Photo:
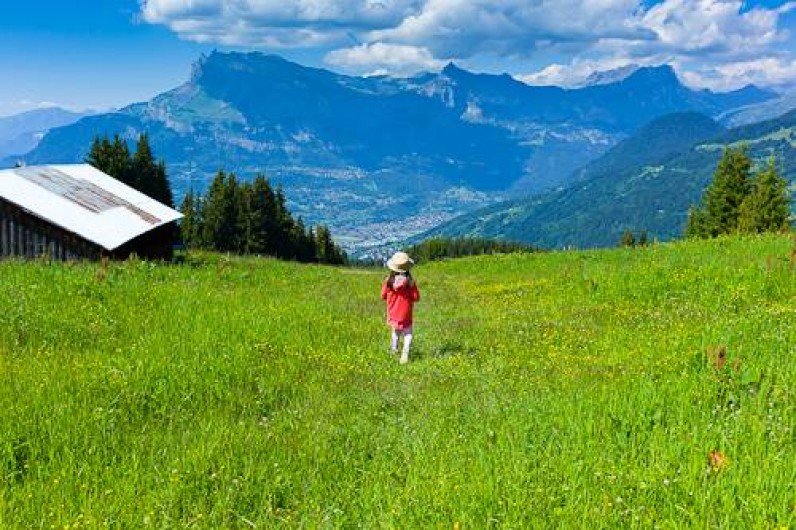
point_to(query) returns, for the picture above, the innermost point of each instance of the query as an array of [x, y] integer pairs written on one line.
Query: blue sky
[[109, 53]]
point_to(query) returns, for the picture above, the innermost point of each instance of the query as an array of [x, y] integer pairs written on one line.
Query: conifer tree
[[731, 184], [220, 214], [642, 239], [111, 158], [99, 153], [721, 203], [264, 202], [443, 247], [148, 176], [190, 221], [251, 221], [767, 207], [251, 218], [139, 171], [301, 242], [161, 187], [696, 226], [283, 226], [628, 239], [325, 248]]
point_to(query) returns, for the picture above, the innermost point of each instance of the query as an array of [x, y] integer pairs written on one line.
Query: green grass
[[551, 390]]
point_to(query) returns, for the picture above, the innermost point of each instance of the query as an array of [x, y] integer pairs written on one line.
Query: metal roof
[[85, 201]]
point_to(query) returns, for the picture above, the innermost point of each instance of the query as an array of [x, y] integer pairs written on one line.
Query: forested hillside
[[640, 185]]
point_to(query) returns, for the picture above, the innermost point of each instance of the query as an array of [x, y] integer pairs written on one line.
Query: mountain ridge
[[652, 194], [19, 133], [365, 154]]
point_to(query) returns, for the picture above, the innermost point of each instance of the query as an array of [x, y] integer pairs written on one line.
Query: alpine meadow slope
[[625, 387], [377, 158], [646, 183]]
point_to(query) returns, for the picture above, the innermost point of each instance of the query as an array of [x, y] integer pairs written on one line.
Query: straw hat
[[400, 262]]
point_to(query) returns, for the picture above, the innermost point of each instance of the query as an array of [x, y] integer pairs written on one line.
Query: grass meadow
[[557, 390]]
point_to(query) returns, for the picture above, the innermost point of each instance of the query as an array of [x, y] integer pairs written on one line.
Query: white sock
[[407, 342], [394, 341]]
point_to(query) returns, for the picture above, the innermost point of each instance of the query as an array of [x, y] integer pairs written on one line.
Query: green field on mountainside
[[546, 390]]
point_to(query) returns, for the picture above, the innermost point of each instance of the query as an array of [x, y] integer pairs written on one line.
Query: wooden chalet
[[72, 212]]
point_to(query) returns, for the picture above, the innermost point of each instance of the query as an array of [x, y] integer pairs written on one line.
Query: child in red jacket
[[400, 291]]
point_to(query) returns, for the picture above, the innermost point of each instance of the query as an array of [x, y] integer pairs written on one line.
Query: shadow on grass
[[446, 350]]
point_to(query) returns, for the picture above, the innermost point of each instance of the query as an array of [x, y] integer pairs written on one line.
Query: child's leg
[[407, 344], [394, 341]]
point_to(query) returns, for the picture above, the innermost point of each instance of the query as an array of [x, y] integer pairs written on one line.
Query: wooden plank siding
[[24, 235]]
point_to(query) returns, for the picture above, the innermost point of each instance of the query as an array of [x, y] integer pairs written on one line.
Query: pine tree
[[220, 219], [731, 184], [147, 176], [250, 213], [266, 225], [161, 187], [252, 218], [721, 203], [190, 222], [326, 250], [139, 171], [323, 243], [111, 158], [628, 239], [283, 228], [143, 167], [98, 153], [442, 247], [767, 207], [301, 242], [697, 226]]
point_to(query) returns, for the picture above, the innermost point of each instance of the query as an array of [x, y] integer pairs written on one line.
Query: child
[[400, 291]]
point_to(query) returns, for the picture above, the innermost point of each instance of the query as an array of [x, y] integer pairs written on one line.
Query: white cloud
[[574, 74], [275, 23], [711, 43], [515, 27], [380, 58], [710, 27], [769, 71], [700, 36]]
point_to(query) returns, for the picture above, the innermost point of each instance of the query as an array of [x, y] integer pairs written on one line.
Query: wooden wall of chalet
[[24, 235], [157, 244]]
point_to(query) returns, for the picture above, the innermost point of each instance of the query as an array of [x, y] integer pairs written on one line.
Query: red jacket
[[400, 299]]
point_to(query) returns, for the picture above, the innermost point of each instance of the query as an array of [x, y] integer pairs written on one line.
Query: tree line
[[629, 239], [233, 216], [253, 218], [444, 247], [738, 201], [139, 170]]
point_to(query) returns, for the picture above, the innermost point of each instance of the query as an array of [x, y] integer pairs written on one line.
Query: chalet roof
[[85, 201]]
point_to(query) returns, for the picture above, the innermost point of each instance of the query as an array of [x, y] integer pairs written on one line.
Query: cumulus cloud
[[275, 23], [711, 43], [381, 58], [464, 28], [769, 71], [711, 27], [575, 74], [363, 36]]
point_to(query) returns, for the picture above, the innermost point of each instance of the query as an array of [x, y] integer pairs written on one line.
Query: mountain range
[[380, 158], [22, 132], [645, 183]]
